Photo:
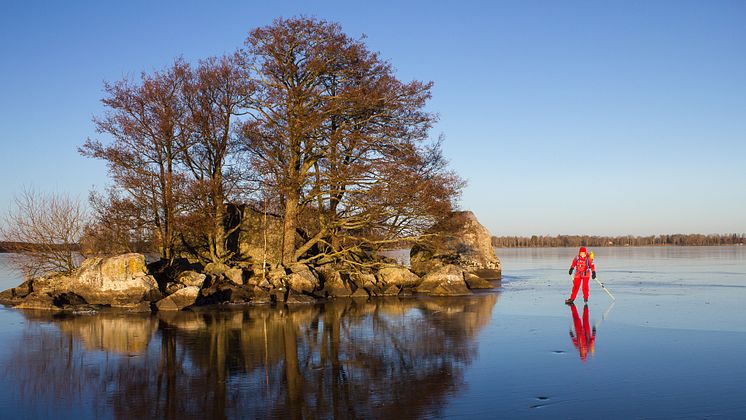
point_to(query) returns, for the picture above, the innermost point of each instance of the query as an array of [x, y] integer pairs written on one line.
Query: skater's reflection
[[584, 337]]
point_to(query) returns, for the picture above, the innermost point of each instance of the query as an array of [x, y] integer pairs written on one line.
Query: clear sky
[[565, 117]]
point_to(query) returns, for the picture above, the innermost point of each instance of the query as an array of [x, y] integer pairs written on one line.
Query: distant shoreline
[[12, 247], [676, 239], [620, 246]]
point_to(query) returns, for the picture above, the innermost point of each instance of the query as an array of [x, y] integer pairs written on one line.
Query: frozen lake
[[672, 345]]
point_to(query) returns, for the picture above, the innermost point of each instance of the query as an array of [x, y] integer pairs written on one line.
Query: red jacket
[[583, 265]]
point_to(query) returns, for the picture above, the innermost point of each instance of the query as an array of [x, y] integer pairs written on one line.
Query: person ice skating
[[584, 338], [584, 269]]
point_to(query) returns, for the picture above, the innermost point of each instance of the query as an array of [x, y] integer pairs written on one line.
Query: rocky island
[[455, 258]]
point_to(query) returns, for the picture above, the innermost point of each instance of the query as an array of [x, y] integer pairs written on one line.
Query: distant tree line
[[629, 240]]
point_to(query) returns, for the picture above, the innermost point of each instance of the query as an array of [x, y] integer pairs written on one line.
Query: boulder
[[298, 298], [334, 283], [458, 240], [191, 278], [392, 290], [37, 300], [365, 280], [15, 295], [475, 282], [215, 269], [179, 300], [172, 287], [119, 281], [235, 275], [447, 280], [360, 293], [278, 294], [398, 276], [223, 291], [260, 236], [276, 277], [302, 279], [261, 296]]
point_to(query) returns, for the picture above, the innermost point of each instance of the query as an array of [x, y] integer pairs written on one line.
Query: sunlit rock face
[[256, 242], [447, 280], [459, 240], [182, 298], [301, 279], [398, 276], [120, 281]]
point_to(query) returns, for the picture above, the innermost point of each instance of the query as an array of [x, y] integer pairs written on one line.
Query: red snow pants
[[584, 278]]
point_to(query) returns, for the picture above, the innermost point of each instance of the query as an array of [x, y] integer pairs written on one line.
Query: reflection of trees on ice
[[346, 358]]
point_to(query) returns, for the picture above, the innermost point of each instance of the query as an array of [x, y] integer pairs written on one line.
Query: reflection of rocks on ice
[[354, 353], [126, 334]]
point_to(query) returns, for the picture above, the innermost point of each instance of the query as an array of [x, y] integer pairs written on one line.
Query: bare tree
[[119, 225], [147, 122], [339, 138], [215, 95], [45, 229]]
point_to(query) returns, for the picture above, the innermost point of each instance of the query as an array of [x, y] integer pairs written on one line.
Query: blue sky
[[565, 117]]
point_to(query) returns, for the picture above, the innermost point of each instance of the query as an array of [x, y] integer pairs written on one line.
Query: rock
[[15, 295], [241, 295], [260, 236], [276, 277], [119, 281], [144, 306], [191, 278], [444, 281], [475, 282], [459, 240], [368, 281], [360, 293], [278, 294], [38, 300], [298, 298], [24, 289], [68, 299], [223, 291], [334, 283], [181, 299], [235, 275], [302, 279], [449, 289], [215, 269], [172, 287], [398, 276], [261, 296], [392, 290]]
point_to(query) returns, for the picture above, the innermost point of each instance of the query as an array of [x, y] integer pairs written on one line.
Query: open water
[[672, 345]]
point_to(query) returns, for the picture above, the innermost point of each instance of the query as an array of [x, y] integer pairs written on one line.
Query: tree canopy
[[303, 121]]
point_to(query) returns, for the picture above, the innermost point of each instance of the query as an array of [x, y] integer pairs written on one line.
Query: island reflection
[[347, 358]]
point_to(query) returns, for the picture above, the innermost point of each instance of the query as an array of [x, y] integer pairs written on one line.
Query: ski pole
[[605, 289]]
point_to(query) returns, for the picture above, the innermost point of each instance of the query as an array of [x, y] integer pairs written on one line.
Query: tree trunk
[[289, 225], [218, 246]]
